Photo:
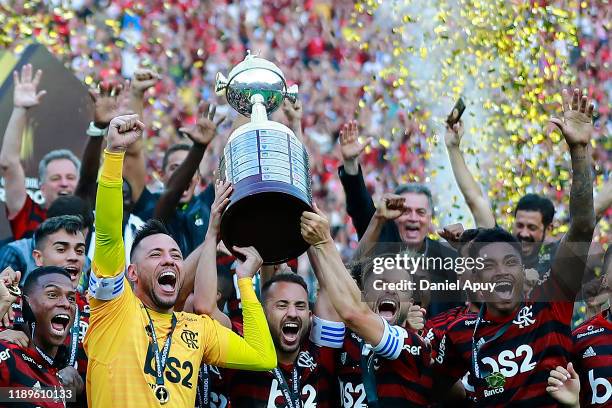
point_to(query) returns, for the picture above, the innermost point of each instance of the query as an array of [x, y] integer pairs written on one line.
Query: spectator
[[57, 171]]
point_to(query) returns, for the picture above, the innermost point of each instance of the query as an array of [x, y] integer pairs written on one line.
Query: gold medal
[[162, 394], [14, 290]]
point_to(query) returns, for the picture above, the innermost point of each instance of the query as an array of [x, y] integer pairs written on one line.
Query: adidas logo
[[589, 353]]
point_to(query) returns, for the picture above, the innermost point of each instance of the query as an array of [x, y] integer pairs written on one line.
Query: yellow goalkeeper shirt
[[121, 370]]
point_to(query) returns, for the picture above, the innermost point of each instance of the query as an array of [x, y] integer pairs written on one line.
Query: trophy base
[[267, 218]]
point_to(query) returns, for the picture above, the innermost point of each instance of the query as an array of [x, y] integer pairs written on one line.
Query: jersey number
[[506, 365], [175, 371], [307, 390], [347, 390]]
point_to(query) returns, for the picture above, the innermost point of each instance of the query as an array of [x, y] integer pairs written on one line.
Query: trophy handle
[[220, 84], [291, 93]]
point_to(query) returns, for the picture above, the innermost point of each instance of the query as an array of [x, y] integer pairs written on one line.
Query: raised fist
[[122, 132]]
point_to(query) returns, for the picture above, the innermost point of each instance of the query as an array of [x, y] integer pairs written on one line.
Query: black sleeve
[[360, 207]]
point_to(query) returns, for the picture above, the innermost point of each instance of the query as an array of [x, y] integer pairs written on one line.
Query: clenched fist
[[122, 132]]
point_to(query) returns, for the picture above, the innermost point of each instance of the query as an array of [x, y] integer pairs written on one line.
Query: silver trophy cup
[[266, 163]]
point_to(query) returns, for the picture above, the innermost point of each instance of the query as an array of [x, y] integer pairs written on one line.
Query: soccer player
[[504, 348], [141, 352], [60, 242], [397, 376], [592, 350], [49, 308]]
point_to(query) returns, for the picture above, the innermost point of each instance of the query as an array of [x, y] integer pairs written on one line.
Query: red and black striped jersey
[[401, 381], [436, 326], [536, 339], [317, 377], [592, 356], [24, 367]]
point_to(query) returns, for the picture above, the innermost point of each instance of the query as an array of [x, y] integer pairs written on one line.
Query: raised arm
[[134, 166], [474, 198], [390, 207], [570, 260], [333, 277], [25, 96], [256, 350], [109, 258], [205, 287], [109, 102], [201, 134]]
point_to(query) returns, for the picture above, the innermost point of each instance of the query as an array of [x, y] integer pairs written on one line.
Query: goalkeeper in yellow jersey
[[142, 353]]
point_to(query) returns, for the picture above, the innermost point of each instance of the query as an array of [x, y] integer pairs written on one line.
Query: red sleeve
[[25, 222], [7, 364], [448, 360]]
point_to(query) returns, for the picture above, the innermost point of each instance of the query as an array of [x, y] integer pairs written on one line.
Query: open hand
[[350, 146], [110, 101], [564, 385], [576, 124], [205, 129], [25, 94]]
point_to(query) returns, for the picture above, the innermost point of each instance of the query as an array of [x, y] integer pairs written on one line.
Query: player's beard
[[162, 303]]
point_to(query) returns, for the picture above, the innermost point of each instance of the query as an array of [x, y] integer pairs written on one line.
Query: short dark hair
[[283, 277], [151, 227], [490, 236], [172, 149], [32, 278], [31, 282], [70, 223], [72, 205], [416, 188], [534, 202]]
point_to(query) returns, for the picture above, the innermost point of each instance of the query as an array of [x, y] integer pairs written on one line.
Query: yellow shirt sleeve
[[109, 258], [256, 350]]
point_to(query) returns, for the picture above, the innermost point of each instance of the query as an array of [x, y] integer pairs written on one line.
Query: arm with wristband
[[344, 293]]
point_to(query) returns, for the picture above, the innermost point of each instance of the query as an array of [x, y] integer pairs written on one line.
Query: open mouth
[[290, 331], [387, 309], [504, 289], [59, 324], [64, 193], [72, 270], [167, 281]]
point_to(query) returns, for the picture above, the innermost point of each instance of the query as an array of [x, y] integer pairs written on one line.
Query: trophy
[[267, 165]]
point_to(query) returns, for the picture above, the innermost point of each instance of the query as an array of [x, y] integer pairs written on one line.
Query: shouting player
[[49, 307], [398, 377], [141, 352], [514, 343]]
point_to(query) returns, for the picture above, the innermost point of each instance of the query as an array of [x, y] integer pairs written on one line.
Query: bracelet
[[94, 131]]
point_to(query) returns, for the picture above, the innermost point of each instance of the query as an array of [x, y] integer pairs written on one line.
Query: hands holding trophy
[[267, 165]]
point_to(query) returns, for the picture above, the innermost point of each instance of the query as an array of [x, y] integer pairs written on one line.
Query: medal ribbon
[[160, 361], [292, 397], [477, 347], [74, 338], [367, 376], [204, 390]]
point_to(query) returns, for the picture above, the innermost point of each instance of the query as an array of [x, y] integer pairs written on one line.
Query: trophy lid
[[254, 75]]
